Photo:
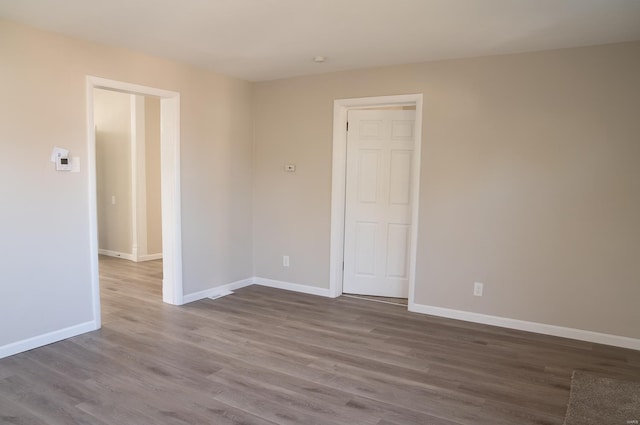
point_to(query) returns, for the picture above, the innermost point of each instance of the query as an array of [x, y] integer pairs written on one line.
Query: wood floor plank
[[264, 356], [12, 413], [42, 401]]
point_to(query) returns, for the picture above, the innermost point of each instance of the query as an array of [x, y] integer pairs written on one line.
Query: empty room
[[320, 212]]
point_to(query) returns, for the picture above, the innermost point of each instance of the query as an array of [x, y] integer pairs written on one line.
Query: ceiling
[[261, 40]]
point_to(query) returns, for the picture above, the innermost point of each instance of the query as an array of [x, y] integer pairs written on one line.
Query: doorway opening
[[169, 152], [127, 128], [374, 217]]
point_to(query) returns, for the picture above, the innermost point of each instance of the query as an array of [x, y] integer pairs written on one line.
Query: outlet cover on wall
[[285, 261], [477, 289]]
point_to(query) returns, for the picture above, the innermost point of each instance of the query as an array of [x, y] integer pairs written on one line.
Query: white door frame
[[138, 179], [172, 292], [338, 183]]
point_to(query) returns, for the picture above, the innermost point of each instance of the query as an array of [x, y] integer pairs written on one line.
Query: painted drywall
[[44, 219], [112, 115], [530, 182], [152, 172]]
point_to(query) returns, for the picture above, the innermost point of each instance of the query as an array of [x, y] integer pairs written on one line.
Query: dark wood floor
[[266, 356]]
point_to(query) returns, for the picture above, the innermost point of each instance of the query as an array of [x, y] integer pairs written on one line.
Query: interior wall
[[529, 182], [43, 87], [112, 115], [152, 172]]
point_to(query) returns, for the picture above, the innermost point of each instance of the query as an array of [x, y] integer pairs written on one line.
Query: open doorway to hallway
[[128, 191], [169, 153], [128, 185]]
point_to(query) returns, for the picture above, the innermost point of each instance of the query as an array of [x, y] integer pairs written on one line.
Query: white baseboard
[[116, 254], [217, 291], [296, 287], [130, 257], [150, 257], [46, 339], [541, 328], [224, 289]]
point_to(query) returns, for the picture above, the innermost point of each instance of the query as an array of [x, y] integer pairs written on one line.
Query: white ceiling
[[268, 39]]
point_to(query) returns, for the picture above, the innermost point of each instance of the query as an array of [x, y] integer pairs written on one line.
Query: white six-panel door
[[380, 146]]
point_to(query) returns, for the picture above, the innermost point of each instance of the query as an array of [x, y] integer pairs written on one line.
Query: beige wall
[[152, 172], [43, 92], [112, 115], [530, 182]]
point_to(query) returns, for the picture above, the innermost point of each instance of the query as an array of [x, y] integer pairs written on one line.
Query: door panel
[[397, 250], [400, 177], [403, 129], [368, 170], [371, 129], [380, 145], [365, 248]]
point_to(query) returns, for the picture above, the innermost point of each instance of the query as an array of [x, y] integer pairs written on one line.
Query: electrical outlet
[[477, 289], [285, 261]]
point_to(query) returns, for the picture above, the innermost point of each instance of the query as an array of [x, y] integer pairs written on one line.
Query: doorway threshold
[[385, 300]]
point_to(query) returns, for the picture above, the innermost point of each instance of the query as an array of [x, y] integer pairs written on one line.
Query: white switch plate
[[285, 261], [113, 199], [57, 153], [477, 289]]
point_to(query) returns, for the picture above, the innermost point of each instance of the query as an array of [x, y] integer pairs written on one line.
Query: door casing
[[338, 183], [172, 292]]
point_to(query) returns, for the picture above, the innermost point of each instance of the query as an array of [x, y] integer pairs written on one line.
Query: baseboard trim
[[130, 257], [46, 339], [217, 291], [150, 257], [296, 287], [116, 254], [522, 325]]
